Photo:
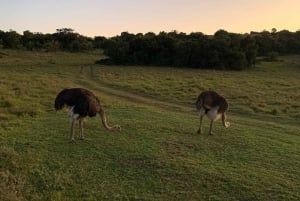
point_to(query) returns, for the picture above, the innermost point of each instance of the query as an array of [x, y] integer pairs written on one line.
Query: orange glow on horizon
[[97, 18]]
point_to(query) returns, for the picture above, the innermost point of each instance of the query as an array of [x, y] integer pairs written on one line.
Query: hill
[[158, 155]]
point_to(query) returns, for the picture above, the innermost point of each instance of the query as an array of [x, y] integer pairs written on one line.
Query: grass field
[[157, 155]]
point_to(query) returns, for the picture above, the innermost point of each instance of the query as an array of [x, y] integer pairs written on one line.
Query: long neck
[[226, 124], [104, 122], [223, 105]]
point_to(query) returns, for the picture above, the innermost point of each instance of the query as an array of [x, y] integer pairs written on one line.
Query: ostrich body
[[82, 103], [214, 106]]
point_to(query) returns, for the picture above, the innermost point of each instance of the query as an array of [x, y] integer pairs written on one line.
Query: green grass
[[157, 155]]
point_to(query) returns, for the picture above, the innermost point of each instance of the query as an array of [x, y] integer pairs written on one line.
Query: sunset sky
[[111, 17]]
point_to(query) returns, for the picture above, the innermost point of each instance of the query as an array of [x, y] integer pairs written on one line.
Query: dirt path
[[139, 99]]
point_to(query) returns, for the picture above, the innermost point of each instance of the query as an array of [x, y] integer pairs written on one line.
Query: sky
[[111, 17]]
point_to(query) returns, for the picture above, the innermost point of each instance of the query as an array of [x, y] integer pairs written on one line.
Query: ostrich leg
[[210, 127], [202, 112], [200, 126], [72, 130], [81, 129]]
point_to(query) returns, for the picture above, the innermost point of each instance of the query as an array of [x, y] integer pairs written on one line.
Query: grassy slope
[[158, 155]]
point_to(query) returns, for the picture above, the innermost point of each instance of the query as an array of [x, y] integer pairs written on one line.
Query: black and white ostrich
[[214, 106], [82, 103]]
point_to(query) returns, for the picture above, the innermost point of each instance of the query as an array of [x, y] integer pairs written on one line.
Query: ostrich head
[[227, 124], [116, 128]]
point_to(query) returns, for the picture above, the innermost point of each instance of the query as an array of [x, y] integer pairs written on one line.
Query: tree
[[65, 37], [99, 41], [11, 39], [2, 33], [248, 46]]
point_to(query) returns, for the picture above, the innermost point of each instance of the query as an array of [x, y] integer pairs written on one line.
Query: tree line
[[64, 39], [223, 50]]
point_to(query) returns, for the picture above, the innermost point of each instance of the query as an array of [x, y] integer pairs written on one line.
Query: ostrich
[[82, 103], [214, 106]]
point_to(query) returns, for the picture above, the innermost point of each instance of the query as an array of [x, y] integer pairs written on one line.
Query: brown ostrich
[[82, 103], [214, 106]]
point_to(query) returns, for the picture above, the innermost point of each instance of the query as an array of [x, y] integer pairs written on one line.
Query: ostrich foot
[[199, 131]]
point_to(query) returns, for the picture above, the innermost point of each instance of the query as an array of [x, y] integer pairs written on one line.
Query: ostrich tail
[[58, 105], [105, 124], [59, 100], [226, 124]]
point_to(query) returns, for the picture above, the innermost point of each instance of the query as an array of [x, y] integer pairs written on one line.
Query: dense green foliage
[[64, 39], [223, 50], [158, 155]]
